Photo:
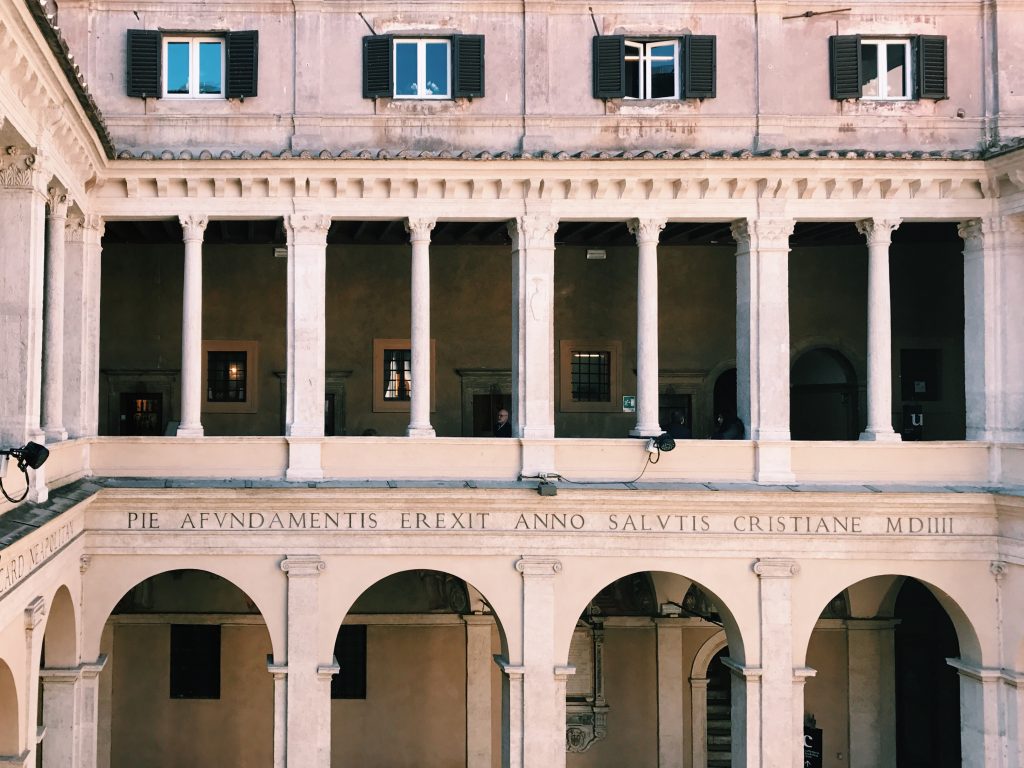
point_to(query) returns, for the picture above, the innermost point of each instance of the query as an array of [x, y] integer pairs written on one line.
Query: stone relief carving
[[586, 710], [18, 169]]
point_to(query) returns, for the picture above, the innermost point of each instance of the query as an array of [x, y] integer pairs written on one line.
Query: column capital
[[564, 672], [419, 228], [646, 230], [58, 201], [325, 672], [302, 565], [84, 229], [878, 231], [776, 568], [279, 671], [60, 674], [193, 225], [21, 170], [307, 228], [91, 669], [533, 230], [978, 232], [538, 566], [752, 233]]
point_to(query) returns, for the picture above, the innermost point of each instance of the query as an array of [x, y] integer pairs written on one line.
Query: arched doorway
[[187, 658], [56, 687], [8, 712], [418, 686], [823, 402]]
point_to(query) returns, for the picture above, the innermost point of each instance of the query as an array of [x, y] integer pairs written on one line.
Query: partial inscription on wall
[[21, 558]]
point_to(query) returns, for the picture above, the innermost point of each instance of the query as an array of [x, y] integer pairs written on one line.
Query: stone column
[[33, 614], [980, 731], [60, 716], [670, 692], [512, 717], [53, 318], [478, 690], [280, 673], [872, 693], [82, 325], [762, 341], [419, 398], [88, 712], [22, 216], [781, 718], [533, 338], [543, 719], [307, 700], [647, 232], [746, 715], [192, 226], [879, 235], [305, 380]]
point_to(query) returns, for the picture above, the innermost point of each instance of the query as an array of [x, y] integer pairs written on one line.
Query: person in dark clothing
[[503, 427], [728, 427], [678, 429]]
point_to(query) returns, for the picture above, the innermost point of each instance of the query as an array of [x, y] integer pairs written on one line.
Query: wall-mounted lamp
[[31, 455], [663, 443]]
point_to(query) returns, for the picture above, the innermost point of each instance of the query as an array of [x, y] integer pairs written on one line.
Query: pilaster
[[60, 716], [543, 719], [871, 663], [980, 732], [22, 222], [308, 701], [781, 717], [746, 714], [82, 236], [878, 233], [57, 202], [193, 226], [280, 673], [647, 232], [419, 230], [33, 614], [88, 711], [670, 693], [478, 690], [533, 338]]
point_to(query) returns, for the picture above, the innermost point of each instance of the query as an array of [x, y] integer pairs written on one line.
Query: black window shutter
[[609, 66], [242, 63], [143, 63], [700, 67], [468, 66], [377, 66], [931, 67], [844, 66]]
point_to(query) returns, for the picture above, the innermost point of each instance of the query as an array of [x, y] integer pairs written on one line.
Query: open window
[[424, 67]]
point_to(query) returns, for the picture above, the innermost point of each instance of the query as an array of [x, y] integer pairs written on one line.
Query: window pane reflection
[[177, 67], [869, 69], [663, 77], [437, 69], [896, 62], [405, 69], [209, 67]]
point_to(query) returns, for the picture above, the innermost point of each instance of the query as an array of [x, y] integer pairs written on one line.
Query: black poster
[[812, 747]]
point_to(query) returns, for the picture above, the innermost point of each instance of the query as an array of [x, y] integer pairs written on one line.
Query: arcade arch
[[9, 713], [187, 654]]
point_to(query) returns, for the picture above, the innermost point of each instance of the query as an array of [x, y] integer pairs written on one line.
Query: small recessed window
[[397, 375], [591, 376], [422, 69], [392, 375], [885, 69], [589, 379], [195, 661], [226, 377], [193, 67], [652, 70], [350, 651]]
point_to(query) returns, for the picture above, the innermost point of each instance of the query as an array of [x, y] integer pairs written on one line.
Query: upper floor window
[[423, 68], [589, 378], [667, 68], [211, 66], [887, 69], [193, 67], [652, 69]]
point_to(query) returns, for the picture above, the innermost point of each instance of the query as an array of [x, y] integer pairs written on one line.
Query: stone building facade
[[272, 269]]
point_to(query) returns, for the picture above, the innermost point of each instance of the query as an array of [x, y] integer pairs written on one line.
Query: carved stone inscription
[[558, 522]]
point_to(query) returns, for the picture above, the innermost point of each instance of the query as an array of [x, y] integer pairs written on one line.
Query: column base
[[538, 458], [55, 435], [305, 430], [880, 436], [190, 430], [773, 464], [420, 431], [304, 459], [646, 430], [541, 433]]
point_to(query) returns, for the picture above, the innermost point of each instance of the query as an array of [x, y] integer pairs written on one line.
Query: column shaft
[[53, 319], [60, 717], [478, 690], [879, 235], [308, 705], [82, 325], [670, 693], [647, 232], [22, 216], [88, 713], [191, 425], [280, 673], [419, 405]]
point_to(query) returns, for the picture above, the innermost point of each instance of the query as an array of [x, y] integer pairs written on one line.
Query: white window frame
[[881, 62], [421, 67], [193, 66], [644, 57]]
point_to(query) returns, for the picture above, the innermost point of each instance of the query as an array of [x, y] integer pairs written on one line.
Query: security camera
[[30, 455]]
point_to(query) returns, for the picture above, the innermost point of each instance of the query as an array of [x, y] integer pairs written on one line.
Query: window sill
[[651, 106], [422, 106]]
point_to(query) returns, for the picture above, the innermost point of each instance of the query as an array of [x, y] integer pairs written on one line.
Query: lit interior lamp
[[31, 455]]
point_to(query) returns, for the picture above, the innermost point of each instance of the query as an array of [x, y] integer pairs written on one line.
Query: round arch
[[10, 712], [824, 395], [60, 637], [110, 579], [565, 623], [706, 654], [499, 590]]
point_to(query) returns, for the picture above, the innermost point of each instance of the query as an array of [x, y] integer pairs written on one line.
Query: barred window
[[226, 377], [397, 374], [591, 377]]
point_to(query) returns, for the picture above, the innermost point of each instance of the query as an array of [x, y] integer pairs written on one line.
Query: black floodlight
[[663, 443], [30, 455]]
